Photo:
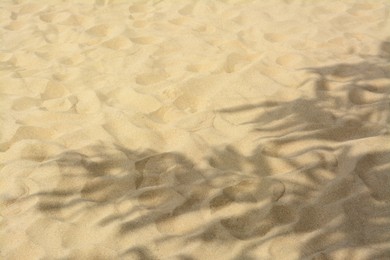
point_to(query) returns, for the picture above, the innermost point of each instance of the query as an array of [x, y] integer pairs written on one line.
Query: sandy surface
[[195, 130]]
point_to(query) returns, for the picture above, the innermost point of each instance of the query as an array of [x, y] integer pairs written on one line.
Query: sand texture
[[194, 130]]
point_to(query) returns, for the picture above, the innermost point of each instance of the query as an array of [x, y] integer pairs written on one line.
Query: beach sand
[[195, 129]]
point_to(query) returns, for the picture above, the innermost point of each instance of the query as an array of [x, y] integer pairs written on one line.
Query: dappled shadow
[[139, 253], [167, 192], [326, 194], [344, 202]]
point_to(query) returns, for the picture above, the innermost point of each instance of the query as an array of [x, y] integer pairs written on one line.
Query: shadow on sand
[[336, 200]]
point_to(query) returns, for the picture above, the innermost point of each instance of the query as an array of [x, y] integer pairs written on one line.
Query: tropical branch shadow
[[165, 191], [331, 197], [348, 210]]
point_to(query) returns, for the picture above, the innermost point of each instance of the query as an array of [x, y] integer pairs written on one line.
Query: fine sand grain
[[195, 129]]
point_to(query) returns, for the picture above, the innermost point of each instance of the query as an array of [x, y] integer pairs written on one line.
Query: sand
[[195, 129]]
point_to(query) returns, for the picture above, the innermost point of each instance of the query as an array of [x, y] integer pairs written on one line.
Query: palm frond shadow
[[318, 195], [343, 208], [163, 190]]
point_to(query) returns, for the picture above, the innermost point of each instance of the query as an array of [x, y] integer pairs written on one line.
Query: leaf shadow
[[317, 196]]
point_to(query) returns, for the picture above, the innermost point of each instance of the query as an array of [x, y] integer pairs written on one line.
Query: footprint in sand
[[30, 8], [140, 23], [166, 168], [180, 20], [248, 225], [139, 8], [187, 216], [362, 95], [249, 191], [105, 189], [374, 170], [160, 198], [289, 60], [32, 132], [180, 206], [275, 37], [236, 61], [187, 10], [15, 25], [74, 20], [187, 102], [258, 222], [150, 78], [100, 30], [25, 103], [118, 43], [144, 40], [54, 89]]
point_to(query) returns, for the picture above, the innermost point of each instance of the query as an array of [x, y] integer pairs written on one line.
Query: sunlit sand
[[195, 129]]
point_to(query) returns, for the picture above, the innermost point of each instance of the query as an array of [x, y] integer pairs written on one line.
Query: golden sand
[[195, 129]]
